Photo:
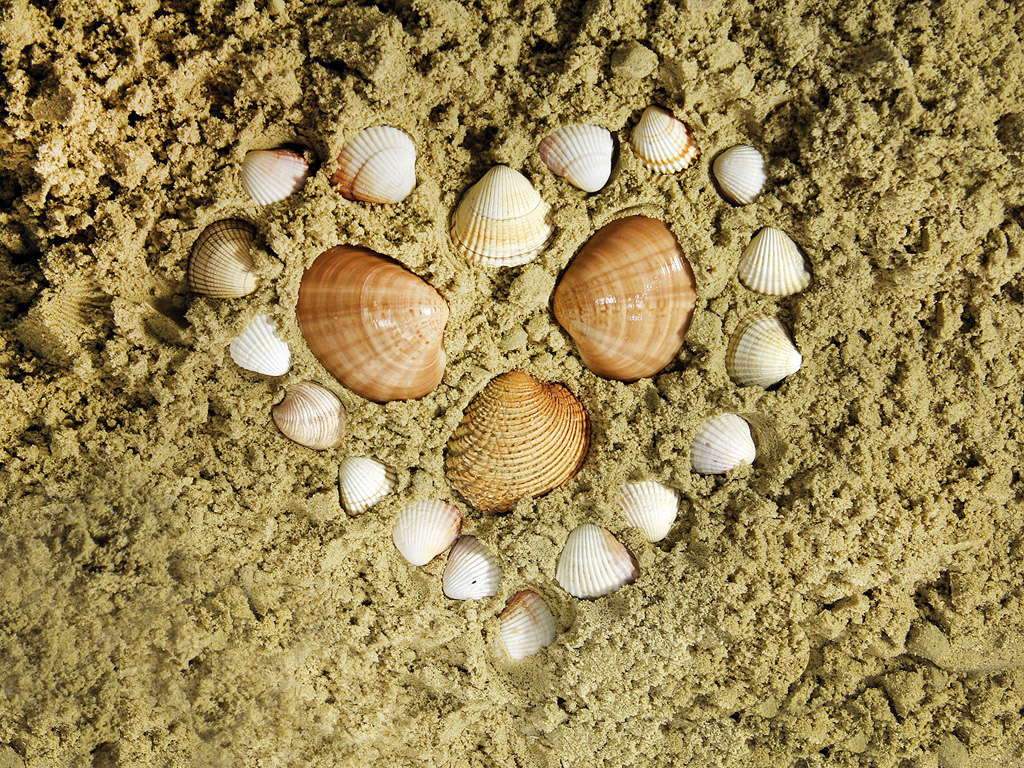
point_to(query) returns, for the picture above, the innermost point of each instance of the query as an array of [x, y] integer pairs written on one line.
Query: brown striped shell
[[220, 265]]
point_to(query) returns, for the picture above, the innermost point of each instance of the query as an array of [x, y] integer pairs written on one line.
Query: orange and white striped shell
[[663, 142]]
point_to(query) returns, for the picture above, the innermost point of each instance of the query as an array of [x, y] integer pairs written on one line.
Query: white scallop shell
[[220, 265], [663, 142], [650, 506], [593, 562], [721, 444], [772, 264], [526, 625], [271, 175], [364, 482], [740, 173], [378, 165], [502, 221], [425, 529], [471, 572], [311, 415], [761, 352], [582, 154], [259, 349]]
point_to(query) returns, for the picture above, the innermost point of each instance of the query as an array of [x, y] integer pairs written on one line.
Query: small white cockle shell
[[740, 173], [650, 506], [526, 625], [311, 415], [364, 482], [425, 529], [220, 265], [761, 352], [593, 563], [259, 349], [721, 444], [471, 572], [663, 142], [271, 175], [581, 154], [378, 165], [772, 264]]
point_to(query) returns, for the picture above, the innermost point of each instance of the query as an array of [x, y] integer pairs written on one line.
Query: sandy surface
[[178, 583]]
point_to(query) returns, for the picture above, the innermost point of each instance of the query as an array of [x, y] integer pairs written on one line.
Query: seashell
[[471, 572], [761, 352], [271, 175], [519, 437], [582, 154], [663, 142], [502, 221], [425, 529], [311, 415], [650, 506], [378, 165], [220, 265], [772, 264], [627, 298], [259, 349], [526, 625], [721, 444], [593, 563], [364, 482], [740, 173], [373, 324]]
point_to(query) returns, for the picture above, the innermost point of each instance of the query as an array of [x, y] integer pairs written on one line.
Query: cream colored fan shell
[[271, 175], [472, 572], [425, 529], [740, 173], [378, 165], [311, 415], [581, 154], [772, 264], [594, 563], [663, 142], [502, 221], [220, 265], [526, 625], [650, 506], [721, 445], [363, 482], [761, 352], [259, 349]]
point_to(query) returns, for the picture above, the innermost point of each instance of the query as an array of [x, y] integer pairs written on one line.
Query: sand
[[179, 584]]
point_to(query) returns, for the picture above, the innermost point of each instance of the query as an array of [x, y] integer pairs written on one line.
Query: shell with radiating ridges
[[378, 165], [502, 221], [721, 444], [271, 175], [519, 437], [626, 298], [526, 625], [220, 265], [581, 154], [594, 563], [311, 415], [663, 142], [761, 352], [259, 349], [373, 324], [772, 264], [741, 173], [363, 482], [650, 506], [425, 529], [472, 572]]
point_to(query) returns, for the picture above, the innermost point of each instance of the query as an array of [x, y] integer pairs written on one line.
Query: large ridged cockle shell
[[271, 175], [311, 415], [363, 482], [772, 264], [502, 221], [721, 444], [425, 529], [472, 572], [627, 298], [519, 437], [378, 165], [581, 154], [663, 142], [526, 625], [761, 352], [373, 324], [740, 173], [650, 506], [593, 563], [220, 265], [259, 349]]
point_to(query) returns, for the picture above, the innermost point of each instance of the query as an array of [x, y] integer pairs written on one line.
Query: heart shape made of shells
[[625, 299]]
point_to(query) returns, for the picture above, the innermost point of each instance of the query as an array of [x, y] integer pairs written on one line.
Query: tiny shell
[[378, 165], [526, 625], [311, 415], [664, 143], [772, 264], [220, 265], [259, 349], [650, 506], [740, 173], [761, 352], [593, 563], [721, 444], [582, 154], [271, 175], [364, 482], [471, 572], [425, 529]]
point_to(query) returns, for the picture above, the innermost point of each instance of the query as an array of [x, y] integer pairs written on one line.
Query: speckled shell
[[772, 264], [378, 165], [259, 349], [581, 154], [740, 173], [502, 221], [650, 506], [220, 265], [627, 299], [311, 415], [663, 142], [271, 175], [761, 352], [519, 437], [472, 572], [721, 444], [363, 482], [373, 324], [425, 529], [594, 563], [526, 625]]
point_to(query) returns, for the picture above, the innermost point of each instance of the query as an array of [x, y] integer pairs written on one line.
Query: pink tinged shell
[[472, 572], [271, 175], [526, 625], [311, 415], [594, 563], [425, 529]]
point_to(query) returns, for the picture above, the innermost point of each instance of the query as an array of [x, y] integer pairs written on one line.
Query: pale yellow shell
[[311, 415], [593, 563], [526, 625], [722, 444], [772, 264], [220, 265], [663, 142], [761, 352]]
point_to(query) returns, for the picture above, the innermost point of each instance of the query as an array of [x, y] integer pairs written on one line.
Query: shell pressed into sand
[[271, 175], [526, 625], [594, 563], [220, 265], [626, 298], [663, 142], [502, 221], [721, 444], [378, 165], [373, 324], [761, 352], [772, 264], [363, 482], [259, 349], [740, 173], [519, 437], [650, 506], [581, 154], [425, 529], [472, 572], [311, 415]]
